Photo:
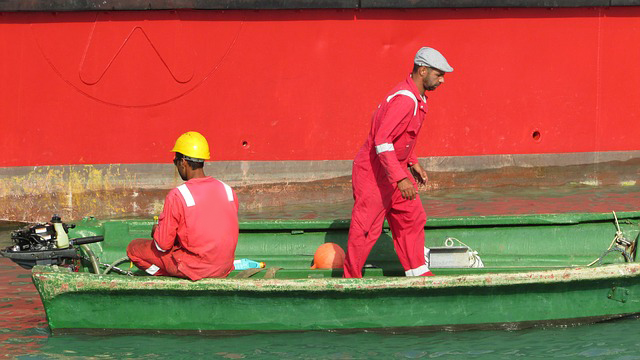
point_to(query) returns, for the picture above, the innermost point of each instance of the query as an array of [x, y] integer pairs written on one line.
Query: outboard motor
[[45, 244]]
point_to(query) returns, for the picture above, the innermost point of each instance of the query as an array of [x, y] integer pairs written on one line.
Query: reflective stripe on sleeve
[[227, 188], [417, 271], [152, 270], [158, 246], [384, 147], [186, 194]]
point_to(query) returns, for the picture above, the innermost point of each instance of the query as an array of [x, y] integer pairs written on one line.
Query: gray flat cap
[[432, 58]]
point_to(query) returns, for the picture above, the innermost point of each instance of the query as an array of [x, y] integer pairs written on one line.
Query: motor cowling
[[38, 237], [36, 244]]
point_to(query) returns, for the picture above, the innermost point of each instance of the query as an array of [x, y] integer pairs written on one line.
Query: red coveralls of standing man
[[197, 232], [383, 185]]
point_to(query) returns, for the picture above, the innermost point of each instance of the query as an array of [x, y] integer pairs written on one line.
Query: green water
[[613, 340], [24, 333], [616, 340]]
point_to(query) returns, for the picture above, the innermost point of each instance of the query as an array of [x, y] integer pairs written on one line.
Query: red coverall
[[382, 161], [197, 233]]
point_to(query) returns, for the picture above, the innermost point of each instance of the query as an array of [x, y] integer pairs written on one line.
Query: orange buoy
[[328, 256]]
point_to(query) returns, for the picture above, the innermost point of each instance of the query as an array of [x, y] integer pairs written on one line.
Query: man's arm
[[413, 159], [164, 234], [419, 173], [394, 123], [406, 188]]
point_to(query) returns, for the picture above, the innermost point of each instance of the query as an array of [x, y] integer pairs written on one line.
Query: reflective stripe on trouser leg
[[417, 271], [152, 270], [144, 254], [407, 220]]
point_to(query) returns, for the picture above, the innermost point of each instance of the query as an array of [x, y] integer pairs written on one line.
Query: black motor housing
[[36, 245], [29, 259]]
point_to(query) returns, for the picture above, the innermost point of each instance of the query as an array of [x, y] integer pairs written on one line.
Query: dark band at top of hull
[[99, 5]]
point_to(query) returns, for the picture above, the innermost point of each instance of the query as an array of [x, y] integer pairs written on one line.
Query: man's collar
[[414, 89]]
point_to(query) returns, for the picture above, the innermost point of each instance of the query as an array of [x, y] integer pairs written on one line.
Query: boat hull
[[536, 272], [86, 302]]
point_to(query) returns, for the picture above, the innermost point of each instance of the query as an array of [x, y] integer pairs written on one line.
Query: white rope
[[619, 237]]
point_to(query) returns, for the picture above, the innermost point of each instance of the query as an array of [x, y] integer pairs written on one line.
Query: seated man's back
[[197, 232]]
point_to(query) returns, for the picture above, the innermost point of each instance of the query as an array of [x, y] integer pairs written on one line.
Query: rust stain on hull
[[119, 190], [71, 191]]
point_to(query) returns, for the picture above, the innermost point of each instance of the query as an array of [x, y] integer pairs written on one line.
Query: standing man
[[197, 232], [385, 168]]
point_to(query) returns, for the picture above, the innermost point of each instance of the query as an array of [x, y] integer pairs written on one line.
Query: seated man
[[197, 232]]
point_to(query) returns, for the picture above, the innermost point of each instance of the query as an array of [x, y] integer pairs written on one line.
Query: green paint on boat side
[[535, 273], [92, 301], [502, 220], [532, 240], [60, 282]]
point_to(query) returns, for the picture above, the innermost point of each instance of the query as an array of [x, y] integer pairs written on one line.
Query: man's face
[[432, 78]]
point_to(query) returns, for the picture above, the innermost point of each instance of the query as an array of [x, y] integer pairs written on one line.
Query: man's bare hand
[[406, 189], [419, 174]]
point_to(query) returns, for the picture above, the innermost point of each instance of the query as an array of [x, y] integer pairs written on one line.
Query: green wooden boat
[[538, 269]]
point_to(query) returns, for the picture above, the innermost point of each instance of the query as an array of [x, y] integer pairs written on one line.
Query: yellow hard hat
[[192, 145]]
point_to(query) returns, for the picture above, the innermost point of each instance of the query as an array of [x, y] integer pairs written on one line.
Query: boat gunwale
[[432, 222], [53, 282]]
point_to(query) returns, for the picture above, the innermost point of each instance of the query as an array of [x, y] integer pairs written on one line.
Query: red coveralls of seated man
[[384, 170], [197, 232]]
